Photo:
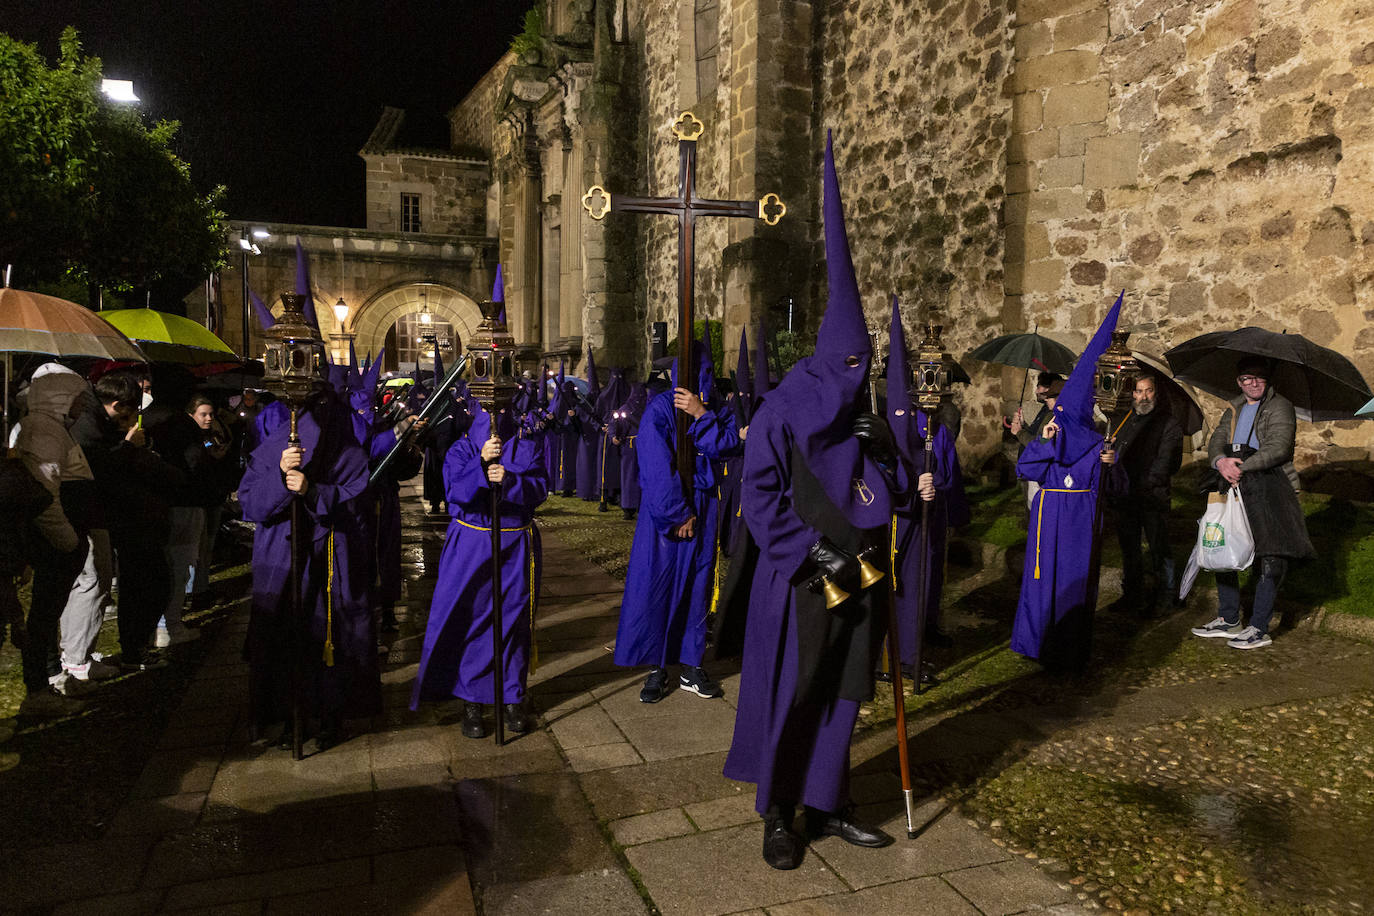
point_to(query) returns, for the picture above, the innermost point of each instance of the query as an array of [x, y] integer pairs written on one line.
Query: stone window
[[410, 212], [706, 24], [416, 341]]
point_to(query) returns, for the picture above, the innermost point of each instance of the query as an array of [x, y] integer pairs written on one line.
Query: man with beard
[[1147, 450]]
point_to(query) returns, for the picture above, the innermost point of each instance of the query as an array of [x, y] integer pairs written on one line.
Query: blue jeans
[[1272, 571]]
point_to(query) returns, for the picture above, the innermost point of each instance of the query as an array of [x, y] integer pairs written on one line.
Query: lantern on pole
[[1115, 378], [492, 381], [933, 374], [294, 367]]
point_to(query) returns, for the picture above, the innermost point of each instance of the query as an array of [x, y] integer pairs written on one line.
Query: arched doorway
[[395, 317]]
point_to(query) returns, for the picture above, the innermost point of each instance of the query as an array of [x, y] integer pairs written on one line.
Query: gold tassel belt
[[1040, 517]]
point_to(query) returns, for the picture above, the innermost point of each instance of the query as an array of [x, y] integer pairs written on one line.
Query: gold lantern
[[294, 358], [491, 361], [1114, 381], [933, 374]]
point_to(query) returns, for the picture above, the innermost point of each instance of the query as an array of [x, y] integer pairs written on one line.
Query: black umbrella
[[1321, 383], [1026, 350]]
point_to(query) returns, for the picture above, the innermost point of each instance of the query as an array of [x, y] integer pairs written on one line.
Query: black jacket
[[1149, 452]]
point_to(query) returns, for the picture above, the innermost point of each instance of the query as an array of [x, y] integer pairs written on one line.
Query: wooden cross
[[687, 207]]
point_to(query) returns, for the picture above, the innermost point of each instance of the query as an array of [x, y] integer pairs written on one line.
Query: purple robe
[[1053, 621], [668, 585], [588, 453], [334, 599], [456, 660], [791, 743]]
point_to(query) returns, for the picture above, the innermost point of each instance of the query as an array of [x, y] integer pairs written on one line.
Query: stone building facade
[[1005, 165]]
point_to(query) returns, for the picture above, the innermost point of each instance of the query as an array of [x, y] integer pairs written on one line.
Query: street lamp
[[425, 317], [342, 336], [246, 247]]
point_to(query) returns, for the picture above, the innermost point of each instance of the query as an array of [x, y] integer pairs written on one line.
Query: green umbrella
[[170, 338], [1026, 350]]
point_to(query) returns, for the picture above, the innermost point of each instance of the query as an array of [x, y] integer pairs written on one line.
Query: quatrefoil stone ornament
[[771, 208]]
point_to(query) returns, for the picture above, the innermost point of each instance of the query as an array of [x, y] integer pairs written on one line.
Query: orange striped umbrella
[[34, 323]]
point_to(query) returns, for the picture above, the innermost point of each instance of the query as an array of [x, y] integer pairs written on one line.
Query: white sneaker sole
[[1257, 644], [692, 688], [1216, 634]]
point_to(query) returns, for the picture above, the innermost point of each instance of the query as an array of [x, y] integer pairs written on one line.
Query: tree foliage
[[89, 189]]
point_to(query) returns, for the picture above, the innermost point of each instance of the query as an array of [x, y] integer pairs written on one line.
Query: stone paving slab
[[608, 892], [723, 871], [1008, 887], [915, 897]]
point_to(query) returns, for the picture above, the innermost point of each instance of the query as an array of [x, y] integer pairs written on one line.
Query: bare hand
[[136, 436], [688, 403], [743, 433], [496, 473], [1018, 423], [925, 485], [1049, 430], [684, 531], [491, 449], [296, 482], [292, 458], [615, 440], [1108, 456], [1229, 468]]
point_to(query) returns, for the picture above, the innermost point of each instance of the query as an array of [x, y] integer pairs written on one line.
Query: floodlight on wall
[[261, 234], [118, 90]]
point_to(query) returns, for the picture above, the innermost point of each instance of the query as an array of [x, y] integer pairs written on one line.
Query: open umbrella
[[1026, 350], [1321, 383], [1367, 410], [1182, 403], [46, 325], [170, 338]]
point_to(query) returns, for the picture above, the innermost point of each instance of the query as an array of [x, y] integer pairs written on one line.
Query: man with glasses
[[1252, 448]]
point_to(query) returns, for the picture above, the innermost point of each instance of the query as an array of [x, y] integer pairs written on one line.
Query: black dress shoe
[[517, 723], [782, 849], [473, 726], [851, 831]]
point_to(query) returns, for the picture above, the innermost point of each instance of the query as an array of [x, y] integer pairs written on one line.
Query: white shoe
[[65, 685], [48, 704], [1250, 638], [1218, 628]]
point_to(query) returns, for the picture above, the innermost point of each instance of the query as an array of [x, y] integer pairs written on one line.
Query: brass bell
[[834, 595], [868, 573]]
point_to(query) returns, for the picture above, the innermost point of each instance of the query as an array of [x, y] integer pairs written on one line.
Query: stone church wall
[[1214, 159], [473, 120], [453, 193], [913, 92]]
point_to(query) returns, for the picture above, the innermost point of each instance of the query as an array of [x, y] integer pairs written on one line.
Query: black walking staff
[[1113, 387], [492, 381], [294, 368]]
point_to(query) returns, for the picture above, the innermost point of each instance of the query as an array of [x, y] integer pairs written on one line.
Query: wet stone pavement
[[613, 806]]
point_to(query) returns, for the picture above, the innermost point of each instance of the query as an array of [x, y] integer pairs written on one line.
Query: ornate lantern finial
[[294, 357], [491, 361], [933, 375], [1114, 381]]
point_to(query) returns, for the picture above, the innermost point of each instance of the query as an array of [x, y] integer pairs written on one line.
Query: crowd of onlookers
[[111, 497]]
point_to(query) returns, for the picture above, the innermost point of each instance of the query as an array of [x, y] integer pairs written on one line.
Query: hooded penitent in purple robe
[[589, 422], [1054, 616], [608, 452], [457, 657], [668, 585], [806, 669], [625, 427], [567, 424], [334, 598]]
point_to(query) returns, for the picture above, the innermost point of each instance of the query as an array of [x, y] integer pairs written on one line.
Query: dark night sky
[[276, 99]]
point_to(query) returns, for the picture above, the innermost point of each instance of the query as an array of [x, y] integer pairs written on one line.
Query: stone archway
[[379, 314]]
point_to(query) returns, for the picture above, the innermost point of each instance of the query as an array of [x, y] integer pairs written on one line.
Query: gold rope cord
[[329, 606], [1040, 517]]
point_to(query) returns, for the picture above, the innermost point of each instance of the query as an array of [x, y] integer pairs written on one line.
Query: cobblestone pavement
[[612, 807]]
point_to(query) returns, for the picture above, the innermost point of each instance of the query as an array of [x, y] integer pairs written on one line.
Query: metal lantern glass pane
[[932, 369], [491, 351], [293, 356], [1117, 371]]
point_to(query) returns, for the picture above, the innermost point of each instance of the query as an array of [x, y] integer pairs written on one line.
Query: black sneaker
[[697, 681], [473, 726], [655, 686], [517, 722]]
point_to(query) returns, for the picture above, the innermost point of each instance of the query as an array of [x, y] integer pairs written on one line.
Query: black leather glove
[[830, 562], [876, 437]]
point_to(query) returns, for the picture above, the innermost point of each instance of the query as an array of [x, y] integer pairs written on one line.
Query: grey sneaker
[[1218, 628], [1250, 638]]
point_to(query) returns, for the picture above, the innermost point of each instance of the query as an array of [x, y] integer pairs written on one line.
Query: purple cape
[[456, 660], [668, 585]]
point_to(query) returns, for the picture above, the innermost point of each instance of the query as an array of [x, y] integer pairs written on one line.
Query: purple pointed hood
[[544, 387], [364, 395], [593, 383], [819, 397], [763, 379], [613, 395], [744, 382], [438, 368], [1076, 400], [900, 414], [706, 371], [303, 285], [498, 293], [260, 309]]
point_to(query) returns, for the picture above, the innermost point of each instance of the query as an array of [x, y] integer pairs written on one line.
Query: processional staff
[[687, 207]]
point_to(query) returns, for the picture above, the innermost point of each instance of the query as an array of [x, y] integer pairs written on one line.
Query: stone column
[[575, 223]]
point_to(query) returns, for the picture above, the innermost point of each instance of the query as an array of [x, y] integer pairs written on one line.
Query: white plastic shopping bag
[[1224, 541]]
